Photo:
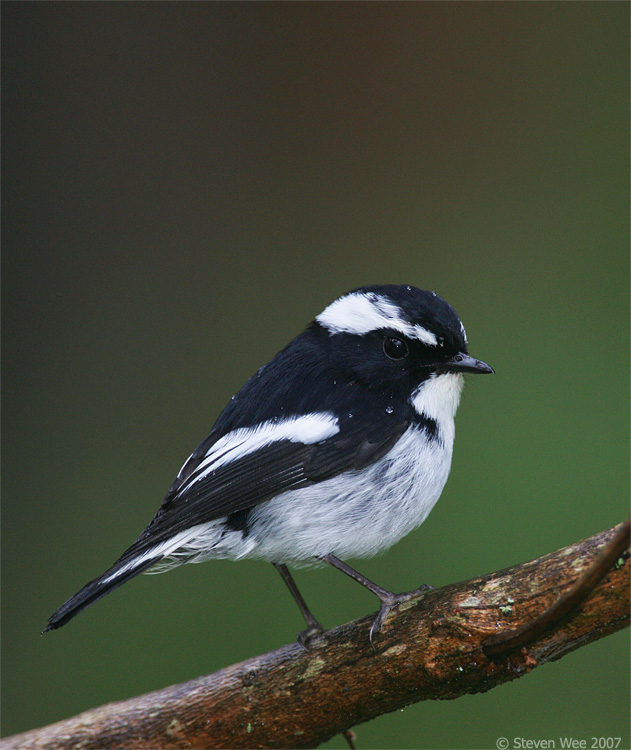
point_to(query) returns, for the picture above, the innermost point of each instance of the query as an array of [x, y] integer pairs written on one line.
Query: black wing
[[369, 425], [266, 472], [240, 485]]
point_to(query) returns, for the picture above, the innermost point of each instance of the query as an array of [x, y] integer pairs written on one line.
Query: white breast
[[357, 514]]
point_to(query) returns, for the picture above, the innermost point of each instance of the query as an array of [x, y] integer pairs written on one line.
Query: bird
[[337, 448]]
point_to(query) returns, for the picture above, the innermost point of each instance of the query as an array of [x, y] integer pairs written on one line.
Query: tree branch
[[446, 643]]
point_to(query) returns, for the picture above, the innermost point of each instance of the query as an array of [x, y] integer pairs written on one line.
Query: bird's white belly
[[356, 514]]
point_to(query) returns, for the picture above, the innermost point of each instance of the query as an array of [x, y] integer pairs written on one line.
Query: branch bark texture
[[431, 647]]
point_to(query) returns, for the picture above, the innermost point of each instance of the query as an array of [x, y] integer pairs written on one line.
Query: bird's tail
[[119, 573]]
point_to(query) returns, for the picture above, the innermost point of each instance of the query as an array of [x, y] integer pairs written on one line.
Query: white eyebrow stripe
[[362, 312], [308, 429]]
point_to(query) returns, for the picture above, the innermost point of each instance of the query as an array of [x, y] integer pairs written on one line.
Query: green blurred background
[[185, 187]]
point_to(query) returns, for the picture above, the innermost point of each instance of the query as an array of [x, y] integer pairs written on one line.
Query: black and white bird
[[337, 448]]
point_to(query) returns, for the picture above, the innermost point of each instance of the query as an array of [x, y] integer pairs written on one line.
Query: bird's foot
[[305, 637], [390, 601]]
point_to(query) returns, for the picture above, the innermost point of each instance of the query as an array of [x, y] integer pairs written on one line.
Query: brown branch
[[500, 643], [431, 647]]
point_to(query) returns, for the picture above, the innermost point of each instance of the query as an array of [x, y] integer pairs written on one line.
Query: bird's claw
[[390, 602], [305, 637]]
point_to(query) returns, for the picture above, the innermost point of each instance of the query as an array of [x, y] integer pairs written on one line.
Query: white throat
[[438, 399]]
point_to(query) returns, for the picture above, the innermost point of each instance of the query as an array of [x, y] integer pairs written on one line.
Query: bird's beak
[[464, 363]]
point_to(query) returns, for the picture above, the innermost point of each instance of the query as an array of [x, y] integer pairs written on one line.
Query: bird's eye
[[395, 348]]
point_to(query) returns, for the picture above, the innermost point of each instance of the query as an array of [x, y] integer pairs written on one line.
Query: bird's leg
[[388, 599], [313, 626]]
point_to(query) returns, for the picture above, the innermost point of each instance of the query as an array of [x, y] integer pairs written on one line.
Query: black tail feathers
[[97, 588]]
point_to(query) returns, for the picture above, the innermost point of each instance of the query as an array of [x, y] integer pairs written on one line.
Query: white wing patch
[[362, 312], [308, 429]]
